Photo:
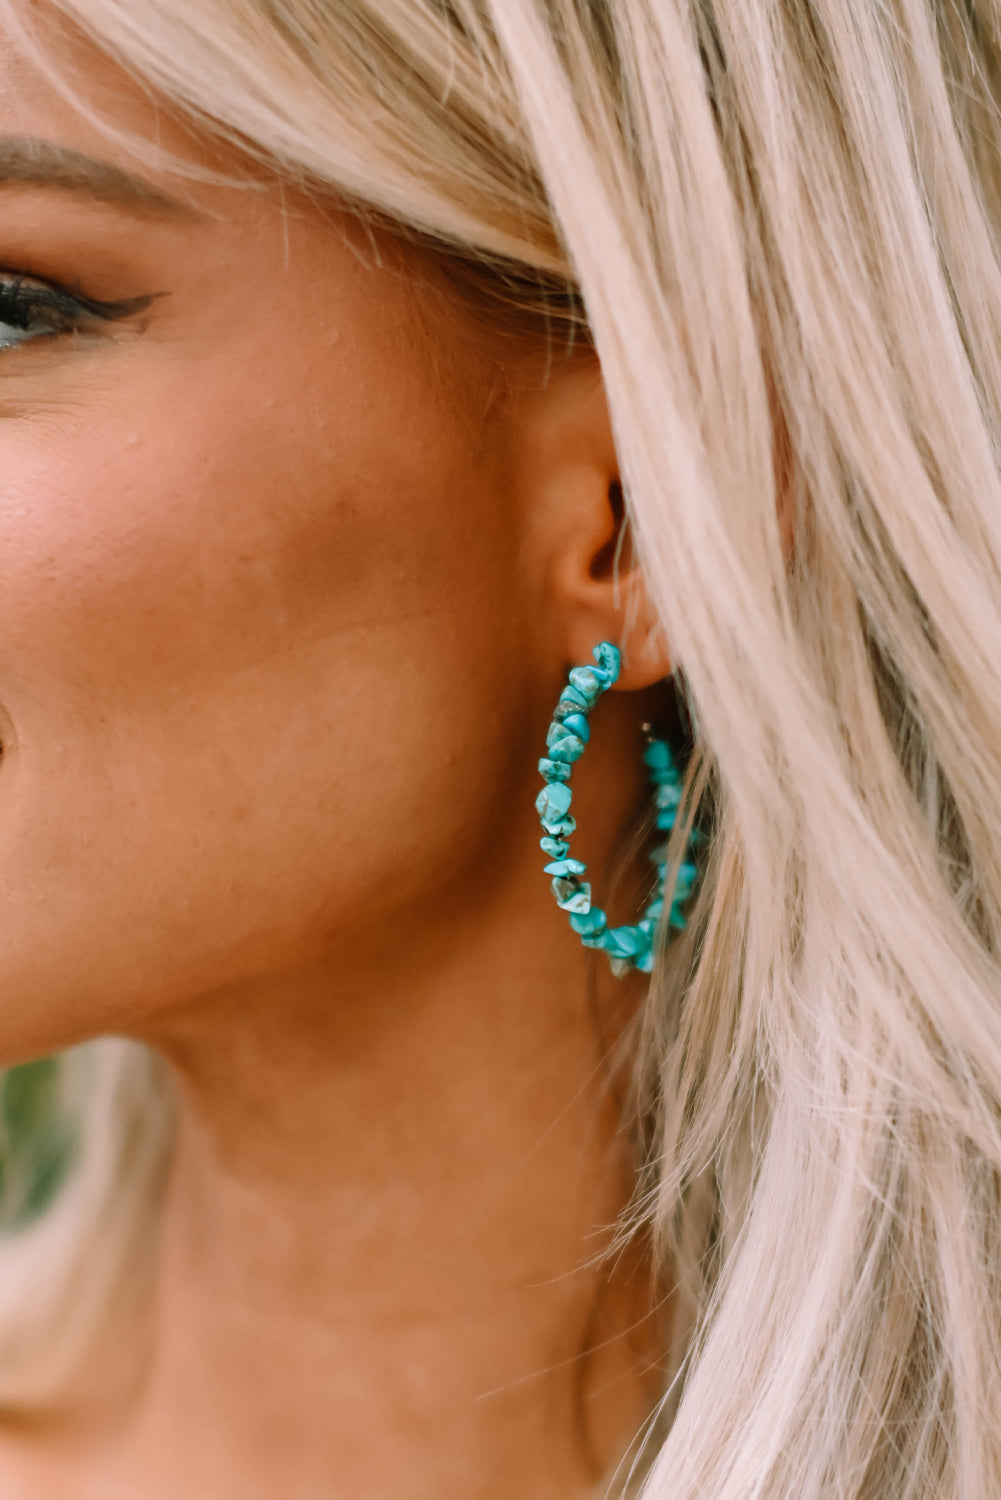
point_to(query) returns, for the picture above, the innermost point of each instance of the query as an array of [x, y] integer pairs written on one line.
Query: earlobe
[[614, 604], [646, 655], [578, 519], [623, 602]]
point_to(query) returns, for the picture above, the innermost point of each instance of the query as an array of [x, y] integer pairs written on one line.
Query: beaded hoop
[[629, 947]]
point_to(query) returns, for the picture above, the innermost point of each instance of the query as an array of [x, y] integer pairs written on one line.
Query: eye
[[31, 309]]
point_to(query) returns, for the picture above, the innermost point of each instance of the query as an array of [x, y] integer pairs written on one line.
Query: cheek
[[256, 678], [223, 524]]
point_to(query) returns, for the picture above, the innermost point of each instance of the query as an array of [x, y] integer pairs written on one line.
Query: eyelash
[[25, 302]]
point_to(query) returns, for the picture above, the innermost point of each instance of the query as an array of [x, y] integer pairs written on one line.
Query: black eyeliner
[[24, 291], [22, 296], [124, 308]]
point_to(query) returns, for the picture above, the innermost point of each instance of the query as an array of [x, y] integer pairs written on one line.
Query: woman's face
[[265, 591]]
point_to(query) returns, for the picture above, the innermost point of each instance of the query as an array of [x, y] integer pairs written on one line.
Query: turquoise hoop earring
[[629, 947]]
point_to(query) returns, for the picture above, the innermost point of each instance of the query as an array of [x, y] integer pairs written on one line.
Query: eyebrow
[[32, 162]]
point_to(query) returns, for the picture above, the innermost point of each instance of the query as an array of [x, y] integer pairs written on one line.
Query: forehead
[[62, 101], [97, 136]]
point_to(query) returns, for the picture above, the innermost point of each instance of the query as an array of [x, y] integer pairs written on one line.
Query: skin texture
[[293, 562]]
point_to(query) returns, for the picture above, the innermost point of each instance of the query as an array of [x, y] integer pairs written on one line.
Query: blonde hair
[[782, 219]]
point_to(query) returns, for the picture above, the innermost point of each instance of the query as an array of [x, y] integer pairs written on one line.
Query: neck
[[394, 1174], [381, 1230]]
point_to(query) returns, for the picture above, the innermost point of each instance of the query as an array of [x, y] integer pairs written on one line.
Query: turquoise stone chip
[[558, 731], [655, 910], [668, 795], [559, 828], [624, 941], [553, 803], [578, 725], [589, 923], [609, 659], [666, 818], [564, 745], [573, 699], [590, 682], [605, 941], [568, 709], [566, 867], [685, 881], [555, 770], [677, 919], [555, 848], [645, 962], [620, 966], [657, 756], [572, 894]]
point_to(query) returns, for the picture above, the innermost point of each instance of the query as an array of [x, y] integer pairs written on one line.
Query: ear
[[588, 573]]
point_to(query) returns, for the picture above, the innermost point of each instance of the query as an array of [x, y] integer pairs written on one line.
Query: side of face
[[263, 594]]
